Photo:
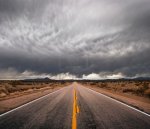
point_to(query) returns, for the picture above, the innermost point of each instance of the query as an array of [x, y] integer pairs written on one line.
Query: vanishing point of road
[[74, 107]]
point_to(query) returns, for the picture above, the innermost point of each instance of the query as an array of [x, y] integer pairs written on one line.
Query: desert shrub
[[137, 84], [30, 83], [140, 90], [115, 87], [92, 83], [62, 82], [14, 83], [103, 85], [128, 90], [147, 93], [3, 90], [145, 86], [122, 85], [11, 89]]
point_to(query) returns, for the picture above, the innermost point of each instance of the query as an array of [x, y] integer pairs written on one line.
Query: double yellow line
[[75, 110]]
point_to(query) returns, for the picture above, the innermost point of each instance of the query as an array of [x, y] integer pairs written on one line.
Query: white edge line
[[120, 102], [30, 102]]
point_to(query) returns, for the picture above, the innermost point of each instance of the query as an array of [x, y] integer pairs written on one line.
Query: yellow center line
[[75, 111]]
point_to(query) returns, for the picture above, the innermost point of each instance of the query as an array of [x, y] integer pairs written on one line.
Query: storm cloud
[[74, 38]]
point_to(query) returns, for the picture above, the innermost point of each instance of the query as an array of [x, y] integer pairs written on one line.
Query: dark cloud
[[88, 38]]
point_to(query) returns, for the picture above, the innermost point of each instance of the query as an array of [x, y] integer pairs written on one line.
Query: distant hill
[[46, 79], [120, 79], [142, 78], [38, 80]]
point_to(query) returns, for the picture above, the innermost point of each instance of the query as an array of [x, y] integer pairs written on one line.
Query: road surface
[[74, 107]]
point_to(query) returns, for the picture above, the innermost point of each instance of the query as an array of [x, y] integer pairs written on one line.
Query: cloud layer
[[74, 38]]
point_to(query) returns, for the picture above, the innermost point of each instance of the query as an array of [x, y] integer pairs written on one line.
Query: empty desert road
[[75, 106]]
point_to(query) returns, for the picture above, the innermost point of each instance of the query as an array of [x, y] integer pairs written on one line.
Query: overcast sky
[[62, 39]]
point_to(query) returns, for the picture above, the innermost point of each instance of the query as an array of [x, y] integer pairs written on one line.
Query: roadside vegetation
[[8, 88], [139, 88]]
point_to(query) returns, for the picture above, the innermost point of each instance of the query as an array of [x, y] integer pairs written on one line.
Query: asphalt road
[[55, 111]]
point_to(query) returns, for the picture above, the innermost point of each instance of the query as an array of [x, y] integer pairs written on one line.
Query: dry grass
[[17, 87], [139, 88]]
